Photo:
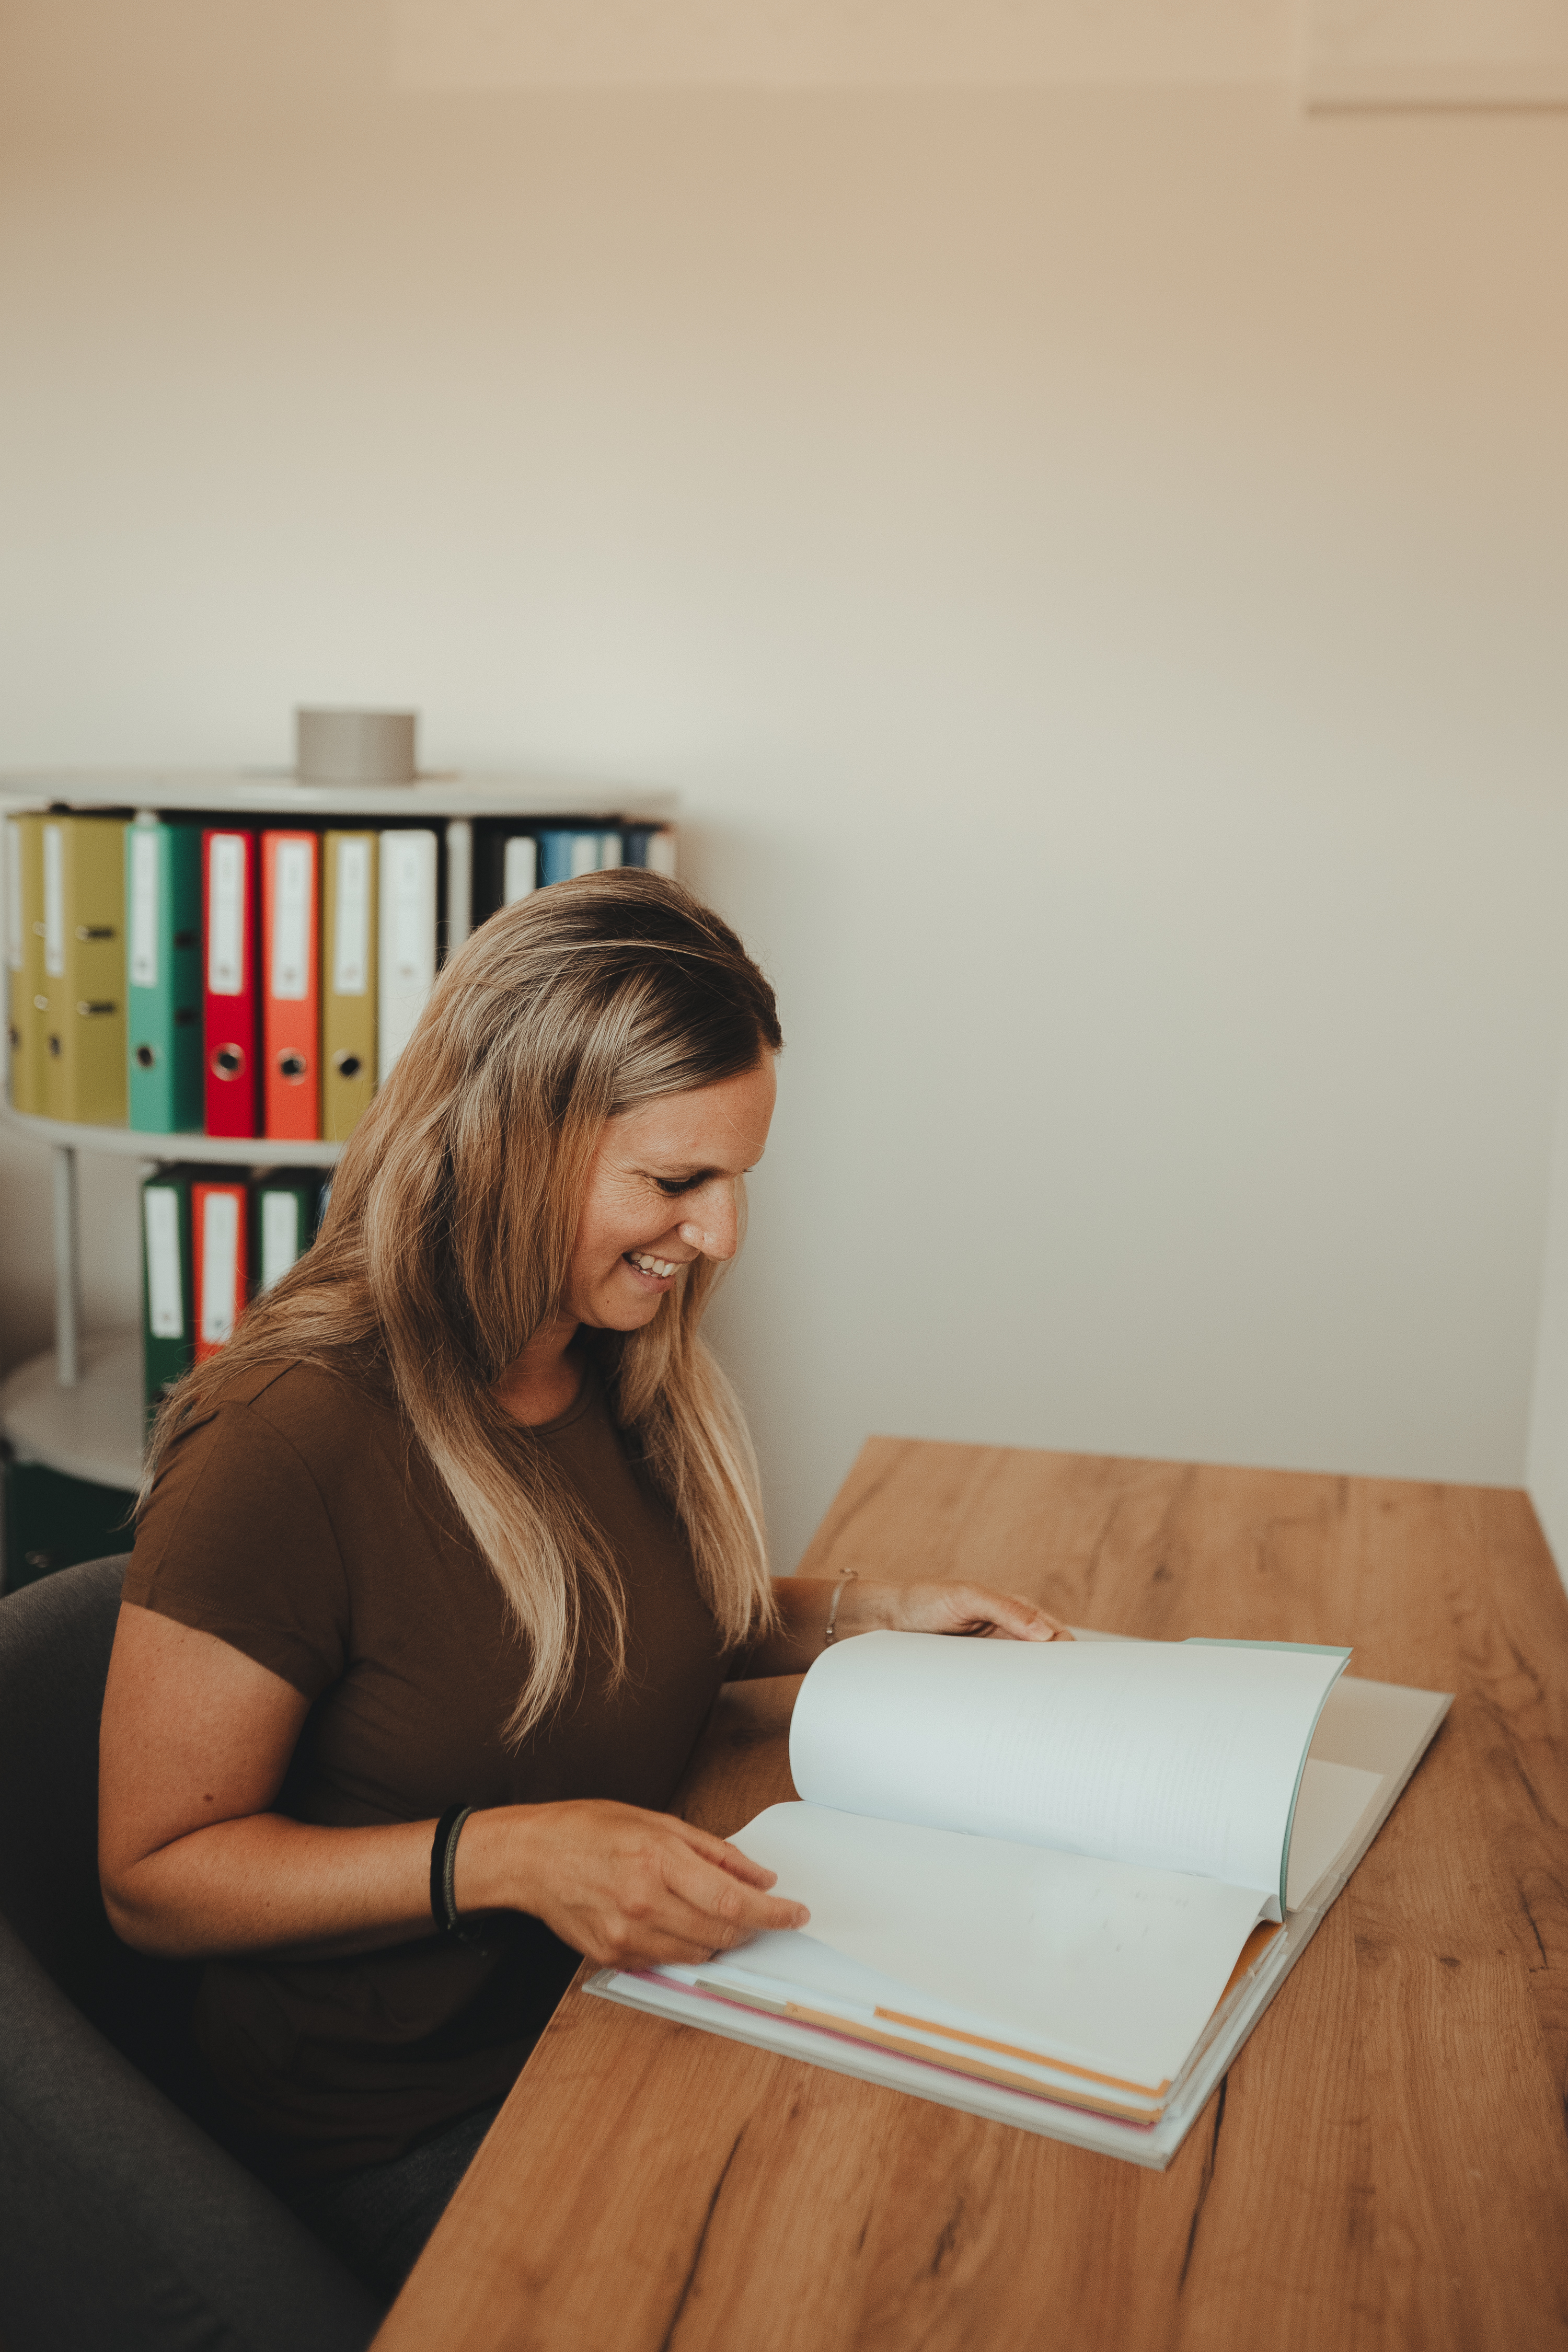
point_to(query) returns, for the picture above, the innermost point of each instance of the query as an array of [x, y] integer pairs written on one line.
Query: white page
[[1109, 1967], [807, 1966], [1163, 1755], [1332, 1799]]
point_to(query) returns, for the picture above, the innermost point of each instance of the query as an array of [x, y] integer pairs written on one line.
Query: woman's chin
[[615, 1311]]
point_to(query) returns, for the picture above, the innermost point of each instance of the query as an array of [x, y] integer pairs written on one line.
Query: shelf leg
[[67, 1271]]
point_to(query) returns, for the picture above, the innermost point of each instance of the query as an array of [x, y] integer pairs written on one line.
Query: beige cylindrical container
[[355, 747]]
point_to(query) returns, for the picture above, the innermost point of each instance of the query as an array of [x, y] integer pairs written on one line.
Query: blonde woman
[[440, 1565]]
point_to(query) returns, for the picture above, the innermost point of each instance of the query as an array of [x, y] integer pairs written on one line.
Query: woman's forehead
[[724, 1124]]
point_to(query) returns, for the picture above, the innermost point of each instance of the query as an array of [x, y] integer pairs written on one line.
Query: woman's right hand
[[625, 1887]]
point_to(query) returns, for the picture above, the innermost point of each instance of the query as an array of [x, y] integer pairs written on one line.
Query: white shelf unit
[[266, 792], [91, 1429], [135, 1143], [78, 1408]]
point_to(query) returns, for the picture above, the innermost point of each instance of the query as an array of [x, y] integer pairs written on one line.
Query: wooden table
[[1387, 2162]]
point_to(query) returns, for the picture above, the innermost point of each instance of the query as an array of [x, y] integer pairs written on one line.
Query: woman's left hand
[[967, 1609], [808, 1605]]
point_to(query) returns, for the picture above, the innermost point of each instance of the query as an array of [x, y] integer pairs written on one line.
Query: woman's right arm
[[196, 1741]]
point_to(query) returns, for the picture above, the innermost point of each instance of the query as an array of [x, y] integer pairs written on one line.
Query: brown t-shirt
[[299, 1521]]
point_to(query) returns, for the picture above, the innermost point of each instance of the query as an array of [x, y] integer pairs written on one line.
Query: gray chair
[[124, 2225]]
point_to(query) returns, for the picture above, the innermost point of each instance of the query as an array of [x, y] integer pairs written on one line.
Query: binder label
[[166, 1293], [291, 920], [280, 1234], [144, 915], [226, 916], [220, 1257], [350, 948], [54, 902], [410, 912], [520, 869], [14, 951]]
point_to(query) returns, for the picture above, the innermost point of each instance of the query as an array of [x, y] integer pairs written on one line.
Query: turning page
[[1173, 1756]]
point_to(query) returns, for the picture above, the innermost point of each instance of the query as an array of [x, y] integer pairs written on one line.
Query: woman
[[465, 1515]]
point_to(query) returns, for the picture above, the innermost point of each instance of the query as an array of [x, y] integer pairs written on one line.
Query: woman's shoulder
[[316, 1409], [243, 1535]]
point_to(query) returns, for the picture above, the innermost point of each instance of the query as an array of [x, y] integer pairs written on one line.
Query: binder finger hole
[[293, 1066], [229, 1061], [347, 1065]]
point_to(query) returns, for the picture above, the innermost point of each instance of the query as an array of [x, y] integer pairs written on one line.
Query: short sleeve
[[235, 1540]]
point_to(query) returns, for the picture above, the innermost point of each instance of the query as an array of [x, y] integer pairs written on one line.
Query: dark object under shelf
[[53, 1521]]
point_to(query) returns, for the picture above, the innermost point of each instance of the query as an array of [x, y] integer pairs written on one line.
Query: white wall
[[1547, 1459], [1093, 562]]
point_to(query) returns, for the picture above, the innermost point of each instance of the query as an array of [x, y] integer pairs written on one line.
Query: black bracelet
[[443, 1871]]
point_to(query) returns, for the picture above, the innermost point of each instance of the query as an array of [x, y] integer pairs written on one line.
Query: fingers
[[719, 1851], [684, 1932], [632, 1889], [675, 1894], [972, 1609], [723, 1910], [740, 1866], [1008, 1617], [1017, 1620]]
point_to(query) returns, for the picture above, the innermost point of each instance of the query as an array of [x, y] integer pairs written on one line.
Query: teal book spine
[[164, 991], [168, 1316]]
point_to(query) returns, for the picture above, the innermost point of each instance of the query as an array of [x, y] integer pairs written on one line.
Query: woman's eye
[[672, 1186]]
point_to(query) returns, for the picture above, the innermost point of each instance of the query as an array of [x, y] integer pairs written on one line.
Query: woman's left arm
[[806, 1603]]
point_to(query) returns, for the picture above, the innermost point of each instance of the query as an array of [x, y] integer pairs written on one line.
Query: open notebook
[[1056, 1884]]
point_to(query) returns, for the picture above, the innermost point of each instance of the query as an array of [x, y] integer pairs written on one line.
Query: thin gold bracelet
[[838, 1594]]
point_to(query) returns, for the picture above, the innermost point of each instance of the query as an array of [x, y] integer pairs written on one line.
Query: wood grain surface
[[1386, 2163]]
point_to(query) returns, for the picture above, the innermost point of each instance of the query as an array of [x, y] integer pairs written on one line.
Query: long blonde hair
[[448, 1243]]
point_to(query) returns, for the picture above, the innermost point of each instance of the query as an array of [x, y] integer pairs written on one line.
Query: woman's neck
[[546, 1380]]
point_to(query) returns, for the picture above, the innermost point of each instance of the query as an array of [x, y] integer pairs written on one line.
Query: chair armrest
[[124, 2223]]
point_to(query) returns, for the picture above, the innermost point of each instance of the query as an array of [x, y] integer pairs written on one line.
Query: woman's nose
[[715, 1228]]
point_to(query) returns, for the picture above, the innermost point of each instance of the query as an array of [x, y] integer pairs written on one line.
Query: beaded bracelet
[[837, 1597]]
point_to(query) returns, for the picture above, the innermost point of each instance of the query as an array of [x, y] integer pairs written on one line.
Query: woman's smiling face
[[662, 1191]]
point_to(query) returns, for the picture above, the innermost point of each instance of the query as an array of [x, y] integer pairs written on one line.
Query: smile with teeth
[[646, 1263]]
